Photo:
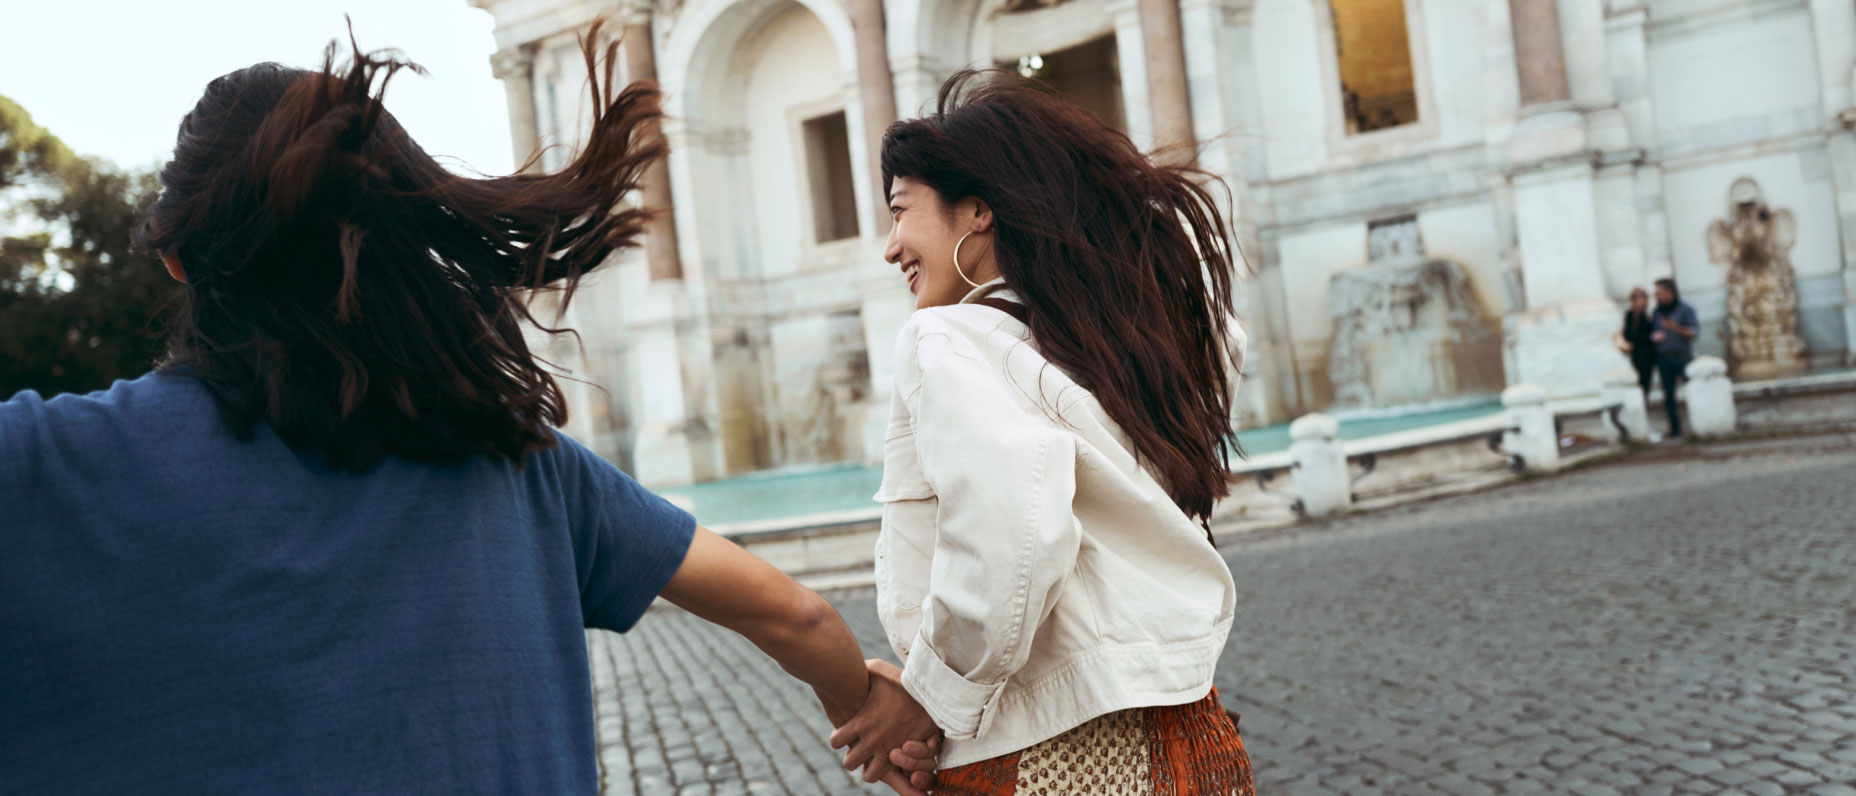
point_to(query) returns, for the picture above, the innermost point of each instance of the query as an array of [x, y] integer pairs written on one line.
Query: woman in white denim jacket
[[1059, 433]]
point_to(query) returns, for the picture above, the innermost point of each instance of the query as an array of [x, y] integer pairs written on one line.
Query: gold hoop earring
[[963, 274]]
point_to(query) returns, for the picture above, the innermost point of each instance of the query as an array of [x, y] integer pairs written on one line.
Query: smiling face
[[922, 239]]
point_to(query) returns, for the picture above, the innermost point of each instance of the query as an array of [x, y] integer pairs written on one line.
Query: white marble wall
[[1735, 73], [1554, 212]]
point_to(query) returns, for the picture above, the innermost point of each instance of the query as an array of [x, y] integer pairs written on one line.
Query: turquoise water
[[1270, 439], [775, 494], [782, 493]]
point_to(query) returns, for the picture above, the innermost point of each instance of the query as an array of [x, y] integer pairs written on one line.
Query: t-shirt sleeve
[[628, 541], [22, 419]]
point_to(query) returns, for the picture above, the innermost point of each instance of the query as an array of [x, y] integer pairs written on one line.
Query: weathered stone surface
[[1680, 622]]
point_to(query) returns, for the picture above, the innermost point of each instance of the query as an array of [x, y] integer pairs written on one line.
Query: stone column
[[1168, 93], [1538, 51], [1220, 65], [1627, 55], [876, 92], [1561, 338], [660, 240], [1842, 147], [1600, 85], [516, 68], [1589, 74], [1834, 22]]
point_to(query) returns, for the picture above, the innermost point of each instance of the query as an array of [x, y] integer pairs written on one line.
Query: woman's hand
[[917, 760], [898, 781], [889, 719]]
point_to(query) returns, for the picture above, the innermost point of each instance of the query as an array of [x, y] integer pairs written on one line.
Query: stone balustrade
[[1627, 414]]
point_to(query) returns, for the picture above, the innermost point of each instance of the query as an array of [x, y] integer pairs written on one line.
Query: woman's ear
[[172, 261], [981, 214]]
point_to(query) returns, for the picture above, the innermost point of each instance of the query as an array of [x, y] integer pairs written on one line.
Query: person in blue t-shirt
[[1673, 329], [333, 543]]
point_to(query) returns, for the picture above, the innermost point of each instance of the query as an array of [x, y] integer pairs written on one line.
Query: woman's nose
[[892, 248]]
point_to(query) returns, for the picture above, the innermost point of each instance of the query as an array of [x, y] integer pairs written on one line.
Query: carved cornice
[[513, 63], [635, 12]]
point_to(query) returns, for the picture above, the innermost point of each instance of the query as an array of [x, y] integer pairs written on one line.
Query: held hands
[[885, 736], [917, 759]]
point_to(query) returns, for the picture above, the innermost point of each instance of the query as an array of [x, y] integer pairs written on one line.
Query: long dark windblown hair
[[349, 291], [1125, 267]]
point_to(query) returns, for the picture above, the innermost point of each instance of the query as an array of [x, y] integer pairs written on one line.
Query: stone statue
[[1408, 327], [1755, 243]]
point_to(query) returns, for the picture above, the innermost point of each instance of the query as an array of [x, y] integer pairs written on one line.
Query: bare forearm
[[821, 653], [724, 584]]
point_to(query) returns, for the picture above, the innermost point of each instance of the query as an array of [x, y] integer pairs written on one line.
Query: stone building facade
[[1457, 193]]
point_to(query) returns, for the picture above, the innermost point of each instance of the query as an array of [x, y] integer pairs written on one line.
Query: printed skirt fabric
[[1184, 750]]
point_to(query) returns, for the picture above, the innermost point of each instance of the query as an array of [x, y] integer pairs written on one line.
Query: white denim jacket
[[1030, 574]]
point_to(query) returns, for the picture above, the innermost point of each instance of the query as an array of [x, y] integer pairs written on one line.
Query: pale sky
[[113, 77]]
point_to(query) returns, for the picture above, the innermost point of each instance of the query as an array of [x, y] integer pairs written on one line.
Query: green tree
[[78, 303]]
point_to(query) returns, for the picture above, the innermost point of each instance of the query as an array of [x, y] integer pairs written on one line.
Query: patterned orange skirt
[[1183, 750]]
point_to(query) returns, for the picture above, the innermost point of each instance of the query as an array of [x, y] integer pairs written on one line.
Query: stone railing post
[[1527, 429], [1625, 413], [1320, 466], [1710, 398]]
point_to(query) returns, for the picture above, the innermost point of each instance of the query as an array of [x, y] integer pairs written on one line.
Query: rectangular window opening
[[1377, 85], [834, 190]]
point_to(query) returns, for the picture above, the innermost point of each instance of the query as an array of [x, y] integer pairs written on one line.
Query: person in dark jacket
[[1634, 339]]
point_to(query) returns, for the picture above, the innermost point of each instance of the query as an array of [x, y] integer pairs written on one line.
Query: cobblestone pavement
[[1679, 622]]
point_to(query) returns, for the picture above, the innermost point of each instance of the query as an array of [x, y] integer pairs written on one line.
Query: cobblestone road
[[1680, 622]]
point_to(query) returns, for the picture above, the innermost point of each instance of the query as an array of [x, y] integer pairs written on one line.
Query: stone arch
[[956, 33], [707, 31], [755, 89], [708, 71]]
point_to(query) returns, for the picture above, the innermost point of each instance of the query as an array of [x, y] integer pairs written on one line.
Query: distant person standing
[[1674, 328], [1634, 339]]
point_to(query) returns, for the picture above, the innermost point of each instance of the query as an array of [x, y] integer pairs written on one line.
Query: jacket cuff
[[962, 708]]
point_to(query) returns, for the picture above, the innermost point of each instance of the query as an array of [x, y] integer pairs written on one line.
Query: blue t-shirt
[[181, 611], [1675, 347]]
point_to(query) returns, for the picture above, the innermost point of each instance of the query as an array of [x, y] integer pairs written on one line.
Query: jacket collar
[[994, 289]]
